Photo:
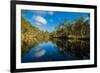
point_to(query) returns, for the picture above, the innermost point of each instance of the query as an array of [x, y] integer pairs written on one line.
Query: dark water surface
[[57, 50]]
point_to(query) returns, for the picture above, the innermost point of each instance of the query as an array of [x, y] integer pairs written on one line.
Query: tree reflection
[[77, 48]]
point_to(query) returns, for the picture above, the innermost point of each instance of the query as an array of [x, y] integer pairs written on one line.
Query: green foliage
[[30, 35], [78, 27]]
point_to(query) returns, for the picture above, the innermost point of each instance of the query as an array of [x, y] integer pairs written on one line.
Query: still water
[[58, 50]]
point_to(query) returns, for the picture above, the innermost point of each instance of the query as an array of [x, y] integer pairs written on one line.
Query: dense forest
[[77, 29], [30, 35]]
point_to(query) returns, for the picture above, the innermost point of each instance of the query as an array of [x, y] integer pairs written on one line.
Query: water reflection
[[57, 50], [77, 48], [39, 52]]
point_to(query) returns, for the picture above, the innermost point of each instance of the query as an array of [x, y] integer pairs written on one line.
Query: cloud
[[40, 12], [86, 18], [40, 20], [44, 12], [50, 13]]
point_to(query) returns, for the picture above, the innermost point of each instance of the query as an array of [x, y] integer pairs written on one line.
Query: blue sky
[[48, 20]]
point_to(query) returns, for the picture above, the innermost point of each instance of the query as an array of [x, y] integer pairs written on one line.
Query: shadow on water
[[56, 50]]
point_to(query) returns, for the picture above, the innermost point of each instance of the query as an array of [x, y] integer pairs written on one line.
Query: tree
[[78, 25]]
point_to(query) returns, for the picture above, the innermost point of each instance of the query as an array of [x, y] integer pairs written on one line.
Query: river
[[57, 50]]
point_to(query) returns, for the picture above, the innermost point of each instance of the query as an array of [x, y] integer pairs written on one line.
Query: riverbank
[[78, 37]]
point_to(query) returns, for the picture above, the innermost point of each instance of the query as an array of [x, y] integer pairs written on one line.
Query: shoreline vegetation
[[78, 29]]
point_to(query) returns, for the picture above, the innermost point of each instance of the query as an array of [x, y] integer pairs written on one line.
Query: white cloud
[[44, 12], [37, 23], [50, 13], [86, 18], [40, 20], [40, 12]]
